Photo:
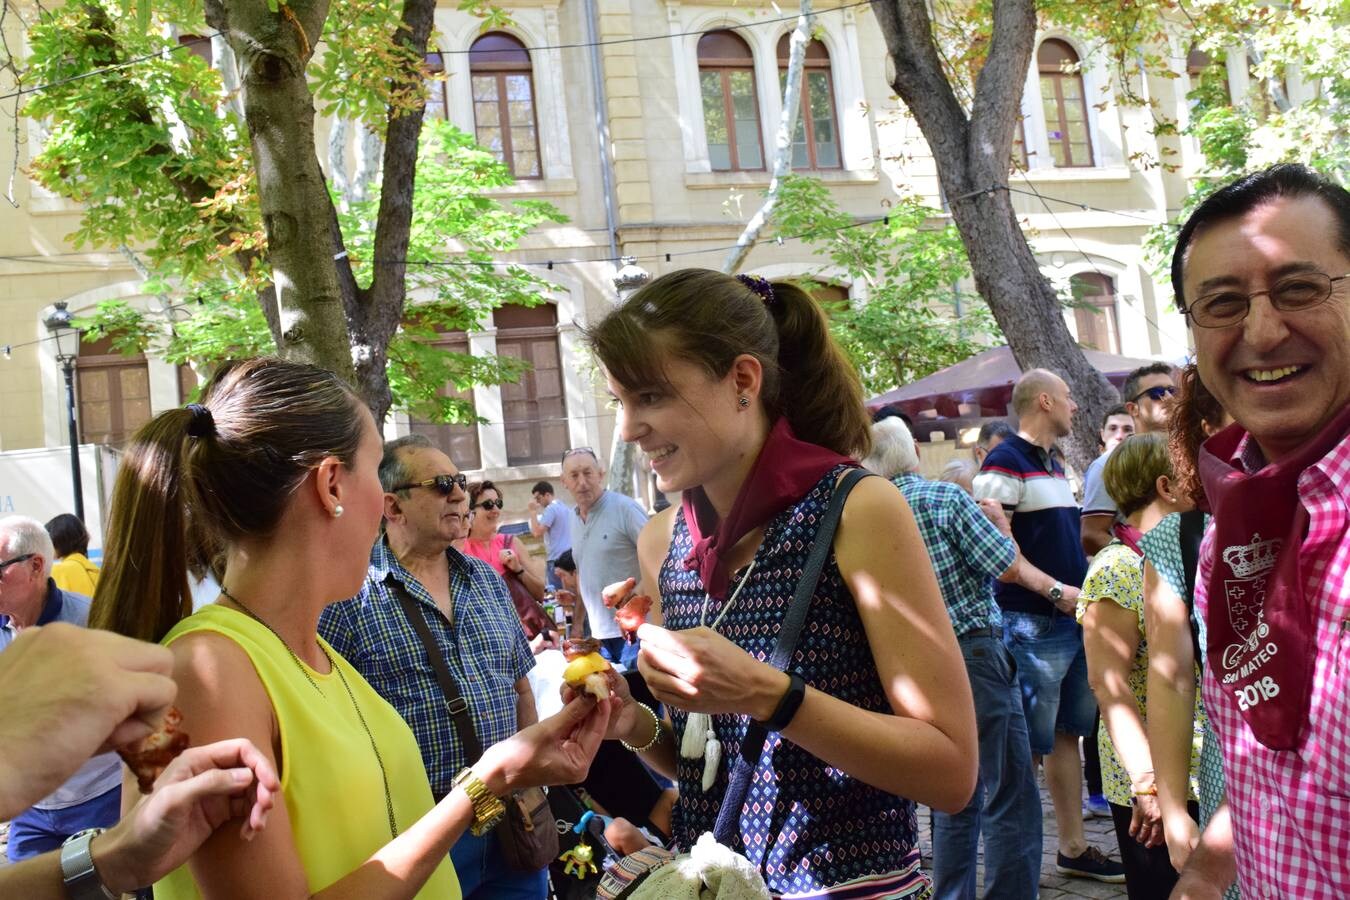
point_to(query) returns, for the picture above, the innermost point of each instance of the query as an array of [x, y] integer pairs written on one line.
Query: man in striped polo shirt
[[1026, 476]]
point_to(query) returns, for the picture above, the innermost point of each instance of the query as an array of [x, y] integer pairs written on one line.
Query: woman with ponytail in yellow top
[[273, 478]]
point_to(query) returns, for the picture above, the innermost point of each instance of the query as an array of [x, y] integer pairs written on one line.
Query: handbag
[[532, 616], [527, 834]]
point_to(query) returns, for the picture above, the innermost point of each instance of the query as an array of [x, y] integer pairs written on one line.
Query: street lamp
[[61, 324]]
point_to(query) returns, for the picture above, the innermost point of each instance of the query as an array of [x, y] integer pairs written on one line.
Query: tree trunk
[[273, 49], [374, 314], [972, 153], [782, 156]]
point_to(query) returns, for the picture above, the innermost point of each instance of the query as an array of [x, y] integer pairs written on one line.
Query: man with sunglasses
[[604, 544], [1148, 392], [1262, 273], [471, 619], [92, 797]]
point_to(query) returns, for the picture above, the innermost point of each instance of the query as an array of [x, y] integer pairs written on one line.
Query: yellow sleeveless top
[[329, 778]]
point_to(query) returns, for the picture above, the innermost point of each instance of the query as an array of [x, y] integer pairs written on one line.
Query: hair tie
[[202, 423], [760, 286]]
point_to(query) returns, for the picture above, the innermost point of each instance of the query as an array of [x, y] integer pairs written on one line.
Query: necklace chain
[[731, 601], [384, 774]]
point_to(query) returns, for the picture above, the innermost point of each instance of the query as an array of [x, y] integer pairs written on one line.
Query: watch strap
[[488, 808], [77, 868], [787, 707]]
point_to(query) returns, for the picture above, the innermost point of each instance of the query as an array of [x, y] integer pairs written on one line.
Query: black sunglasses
[[18, 559], [492, 504], [444, 484], [1155, 393]]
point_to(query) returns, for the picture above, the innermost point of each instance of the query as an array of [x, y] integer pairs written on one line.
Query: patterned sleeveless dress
[[812, 830]]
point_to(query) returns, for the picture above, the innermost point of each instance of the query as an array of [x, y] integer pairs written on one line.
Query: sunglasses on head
[[444, 484], [1155, 393], [575, 450], [491, 504]]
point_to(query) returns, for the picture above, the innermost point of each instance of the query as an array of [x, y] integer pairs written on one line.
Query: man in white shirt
[[604, 544]]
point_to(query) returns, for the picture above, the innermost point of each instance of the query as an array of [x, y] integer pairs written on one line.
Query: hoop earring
[[743, 402], [337, 511]]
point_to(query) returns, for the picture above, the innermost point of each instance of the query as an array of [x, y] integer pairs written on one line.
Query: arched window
[[437, 105], [815, 143], [503, 102], [726, 77], [1095, 311], [534, 409], [114, 392], [1065, 104]]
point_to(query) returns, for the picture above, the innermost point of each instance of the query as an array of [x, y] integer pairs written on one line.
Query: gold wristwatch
[[487, 806]]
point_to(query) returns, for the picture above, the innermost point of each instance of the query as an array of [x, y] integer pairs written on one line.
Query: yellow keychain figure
[[579, 861]]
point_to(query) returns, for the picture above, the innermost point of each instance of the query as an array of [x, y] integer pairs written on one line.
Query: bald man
[[1025, 474]]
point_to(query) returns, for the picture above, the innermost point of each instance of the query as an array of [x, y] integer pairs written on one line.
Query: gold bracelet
[[1151, 791], [656, 733], [488, 808]]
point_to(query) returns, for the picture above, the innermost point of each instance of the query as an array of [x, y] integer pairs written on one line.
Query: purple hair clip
[[760, 286]]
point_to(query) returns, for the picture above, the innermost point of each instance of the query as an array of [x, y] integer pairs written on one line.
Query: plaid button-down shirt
[[485, 649], [1291, 808], [967, 551]]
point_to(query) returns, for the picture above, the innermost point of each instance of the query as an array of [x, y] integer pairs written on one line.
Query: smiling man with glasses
[[1259, 272], [1148, 392]]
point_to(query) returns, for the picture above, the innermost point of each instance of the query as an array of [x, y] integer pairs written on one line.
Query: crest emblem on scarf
[[1245, 595]]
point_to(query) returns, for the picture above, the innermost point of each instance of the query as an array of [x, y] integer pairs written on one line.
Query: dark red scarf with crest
[[1261, 626], [784, 471]]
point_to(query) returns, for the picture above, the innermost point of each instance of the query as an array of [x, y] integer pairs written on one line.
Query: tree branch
[[782, 153]]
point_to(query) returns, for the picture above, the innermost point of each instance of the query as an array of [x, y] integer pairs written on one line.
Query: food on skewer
[[151, 755], [630, 608], [631, 613], [586, 668]]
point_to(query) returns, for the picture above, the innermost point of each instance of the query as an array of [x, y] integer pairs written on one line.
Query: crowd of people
[[361, 700]]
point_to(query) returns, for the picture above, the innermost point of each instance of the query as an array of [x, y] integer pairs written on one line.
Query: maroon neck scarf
[[782, 474], [1128, 535], [1261, 628]]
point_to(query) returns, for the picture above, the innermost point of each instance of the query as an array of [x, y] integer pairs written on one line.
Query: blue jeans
[[35, 831], [483, 873], [618, 650], [1052, 667], [1006, 806]]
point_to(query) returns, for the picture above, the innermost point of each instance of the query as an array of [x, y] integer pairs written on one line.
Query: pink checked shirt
[[1291, 808]]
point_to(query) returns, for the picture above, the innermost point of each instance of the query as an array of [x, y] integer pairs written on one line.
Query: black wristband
[[788, 706]]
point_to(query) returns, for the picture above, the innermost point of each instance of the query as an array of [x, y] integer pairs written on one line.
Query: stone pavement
[[1100, 833]]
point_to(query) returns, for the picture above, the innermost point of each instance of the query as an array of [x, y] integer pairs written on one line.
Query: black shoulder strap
[[454, 700], [1192, 533], [1189, 538], [727, 829]]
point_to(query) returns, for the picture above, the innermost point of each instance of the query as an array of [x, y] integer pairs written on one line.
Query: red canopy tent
[[980, 388]]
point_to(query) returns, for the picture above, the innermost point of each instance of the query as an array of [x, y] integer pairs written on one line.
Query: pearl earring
[[744, 402], [337, 511]]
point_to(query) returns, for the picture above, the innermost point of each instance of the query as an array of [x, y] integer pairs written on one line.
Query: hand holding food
[[586, 668], [151, 755], [630, 608]]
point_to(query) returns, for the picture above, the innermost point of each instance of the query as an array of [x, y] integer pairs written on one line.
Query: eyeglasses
[[575, 450], [444, 484], [18, 559], [1155, 394], [492, 504], [1290, 294]]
